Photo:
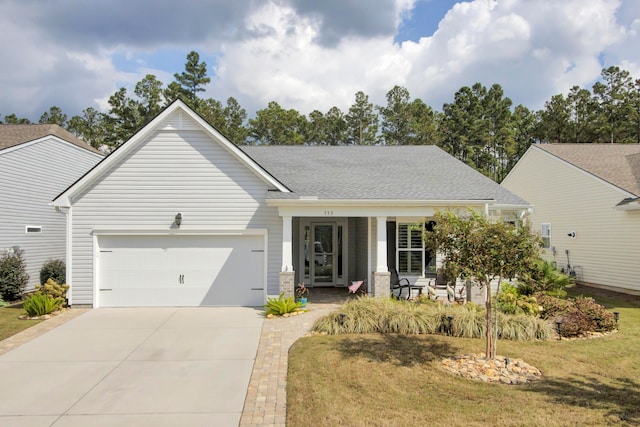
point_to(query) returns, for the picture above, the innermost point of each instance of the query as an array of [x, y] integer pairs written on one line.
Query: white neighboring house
[[179, 216], [586, 200], [37, 162]]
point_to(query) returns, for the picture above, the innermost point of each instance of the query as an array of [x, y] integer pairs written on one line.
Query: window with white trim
[[28, 229], [410, 248], [545, 233]]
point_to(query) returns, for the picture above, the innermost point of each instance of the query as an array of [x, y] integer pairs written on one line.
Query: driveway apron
[[134, 366]]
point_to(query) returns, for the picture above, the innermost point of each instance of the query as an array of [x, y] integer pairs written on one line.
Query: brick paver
[[266, 401]]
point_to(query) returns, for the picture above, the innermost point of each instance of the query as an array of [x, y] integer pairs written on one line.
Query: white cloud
[[291, 51]]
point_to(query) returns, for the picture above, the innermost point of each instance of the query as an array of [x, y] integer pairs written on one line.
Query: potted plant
[[301, 293]]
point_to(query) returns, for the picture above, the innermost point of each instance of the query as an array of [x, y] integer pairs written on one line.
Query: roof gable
[[178, 117], [14, 135], [617, 164]]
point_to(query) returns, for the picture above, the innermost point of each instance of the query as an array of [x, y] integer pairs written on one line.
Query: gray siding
[[173, 171], [31, 176]]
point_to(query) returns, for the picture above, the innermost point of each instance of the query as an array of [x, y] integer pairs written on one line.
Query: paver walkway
[[266, 401]]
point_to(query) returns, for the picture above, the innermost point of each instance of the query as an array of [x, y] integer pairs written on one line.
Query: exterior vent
[[33, 229]]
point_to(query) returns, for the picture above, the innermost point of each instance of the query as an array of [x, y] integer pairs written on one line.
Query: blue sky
[[308, 54]]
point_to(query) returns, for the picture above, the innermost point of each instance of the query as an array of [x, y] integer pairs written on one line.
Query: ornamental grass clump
[[386, 316], [36, 305]]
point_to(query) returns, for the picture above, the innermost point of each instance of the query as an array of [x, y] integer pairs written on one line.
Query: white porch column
[[287, 246], [381, 255]]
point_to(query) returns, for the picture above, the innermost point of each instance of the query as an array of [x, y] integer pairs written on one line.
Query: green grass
[[397, 380], [9, 322]]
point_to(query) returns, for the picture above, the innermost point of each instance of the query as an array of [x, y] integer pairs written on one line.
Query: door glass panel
[[323, 256], [307, 251], [339, 252]]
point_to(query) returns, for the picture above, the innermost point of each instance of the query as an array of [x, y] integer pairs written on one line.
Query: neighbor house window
[[545, 233], [33, 229], [410, 249]]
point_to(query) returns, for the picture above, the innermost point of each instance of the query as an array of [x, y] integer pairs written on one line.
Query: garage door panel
[[181, 270]]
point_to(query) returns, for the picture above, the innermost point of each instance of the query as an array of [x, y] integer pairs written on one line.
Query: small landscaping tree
[[482, 251]]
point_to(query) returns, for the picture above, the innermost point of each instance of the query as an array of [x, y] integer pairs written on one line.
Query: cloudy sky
[[309, 54]]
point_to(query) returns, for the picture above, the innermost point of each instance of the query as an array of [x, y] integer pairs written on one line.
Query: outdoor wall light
[[178, 219], [572, 234], [559, 329]]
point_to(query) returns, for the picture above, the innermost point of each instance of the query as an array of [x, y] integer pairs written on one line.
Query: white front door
[[324, 257]]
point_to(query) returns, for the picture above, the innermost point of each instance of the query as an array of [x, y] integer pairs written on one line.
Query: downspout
[[486, 210]]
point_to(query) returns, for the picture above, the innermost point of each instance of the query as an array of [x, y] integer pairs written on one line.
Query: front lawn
[[397, 380], [9, 322]]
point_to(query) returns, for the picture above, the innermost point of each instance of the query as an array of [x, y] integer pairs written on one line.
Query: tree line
[[481, 126]]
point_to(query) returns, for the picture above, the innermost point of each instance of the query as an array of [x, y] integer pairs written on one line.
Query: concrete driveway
[[134, 366]]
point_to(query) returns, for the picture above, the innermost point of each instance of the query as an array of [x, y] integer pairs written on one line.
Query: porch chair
[[402, 283]]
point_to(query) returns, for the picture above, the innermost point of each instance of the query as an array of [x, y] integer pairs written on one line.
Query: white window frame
[[32, 229], [545, 234], [409, 248]]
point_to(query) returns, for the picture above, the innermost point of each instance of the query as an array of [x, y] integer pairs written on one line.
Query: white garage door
[[180, 271]]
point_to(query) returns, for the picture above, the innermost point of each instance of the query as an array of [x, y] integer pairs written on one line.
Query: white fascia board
[[369, 208], [506, 207], [142, 135], [631, 206], [374, 202]]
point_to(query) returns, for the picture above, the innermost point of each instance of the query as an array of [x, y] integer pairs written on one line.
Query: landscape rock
[[498, 370]]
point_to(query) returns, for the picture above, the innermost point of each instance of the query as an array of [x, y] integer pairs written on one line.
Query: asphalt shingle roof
[[417, 172], [618, 164], [12, 135]]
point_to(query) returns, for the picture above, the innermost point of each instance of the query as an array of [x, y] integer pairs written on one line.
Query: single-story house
[[586, 201], [180, 216], [37, 162]]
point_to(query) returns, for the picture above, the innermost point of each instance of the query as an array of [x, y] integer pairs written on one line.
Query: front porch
[[332, 252]]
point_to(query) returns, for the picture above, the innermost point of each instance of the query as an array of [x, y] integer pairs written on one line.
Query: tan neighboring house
[[586, 200], [37, 162]]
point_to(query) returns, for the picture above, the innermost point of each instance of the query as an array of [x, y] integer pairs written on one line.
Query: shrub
[[547, 279], [3, 302], [281, 305], [55, 290], [578, 316], [39, 305], [53, 269], [509, 301], [13, 275]]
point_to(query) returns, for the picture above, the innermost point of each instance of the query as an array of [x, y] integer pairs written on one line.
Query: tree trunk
[[490, 351]]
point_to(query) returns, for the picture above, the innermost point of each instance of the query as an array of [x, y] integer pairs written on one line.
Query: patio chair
[[397, 283]]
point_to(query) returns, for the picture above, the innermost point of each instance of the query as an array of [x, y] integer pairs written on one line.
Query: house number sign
[[328, 213]]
